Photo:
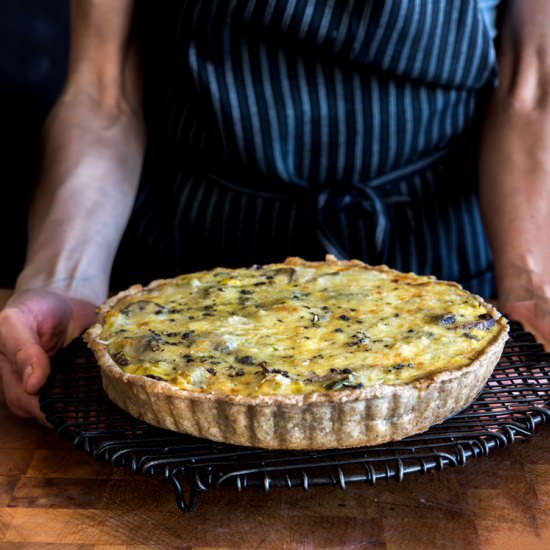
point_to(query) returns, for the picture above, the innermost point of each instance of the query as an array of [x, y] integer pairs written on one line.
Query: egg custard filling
[[296, 328]]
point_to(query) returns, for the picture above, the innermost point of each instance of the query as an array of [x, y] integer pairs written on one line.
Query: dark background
[[34, 41]]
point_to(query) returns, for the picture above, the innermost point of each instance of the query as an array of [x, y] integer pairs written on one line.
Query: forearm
[[93, 146], [515, 195], [93, 143], [92, 160], [515, 156]]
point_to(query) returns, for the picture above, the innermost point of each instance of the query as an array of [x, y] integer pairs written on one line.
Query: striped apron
[[301, 127]]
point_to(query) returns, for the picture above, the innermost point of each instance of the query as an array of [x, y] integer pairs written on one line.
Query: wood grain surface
[[54, 496]]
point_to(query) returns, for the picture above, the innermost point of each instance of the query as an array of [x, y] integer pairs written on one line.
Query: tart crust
[[321, 420]]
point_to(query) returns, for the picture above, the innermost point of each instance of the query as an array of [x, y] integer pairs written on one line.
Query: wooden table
[[54, 496]]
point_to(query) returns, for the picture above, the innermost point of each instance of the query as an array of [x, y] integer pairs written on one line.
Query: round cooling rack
[[515, 400]]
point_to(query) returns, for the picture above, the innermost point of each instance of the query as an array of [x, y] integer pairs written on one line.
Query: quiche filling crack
[[280, 329]]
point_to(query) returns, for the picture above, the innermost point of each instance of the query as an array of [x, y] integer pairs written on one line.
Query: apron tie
[[372, 205]]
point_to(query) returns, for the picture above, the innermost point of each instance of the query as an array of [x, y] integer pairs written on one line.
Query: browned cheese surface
[[295, 329]]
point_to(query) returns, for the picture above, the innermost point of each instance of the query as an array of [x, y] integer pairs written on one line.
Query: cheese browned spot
[[283, 329]]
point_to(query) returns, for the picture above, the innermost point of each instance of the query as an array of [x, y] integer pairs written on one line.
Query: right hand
[[33, 325]]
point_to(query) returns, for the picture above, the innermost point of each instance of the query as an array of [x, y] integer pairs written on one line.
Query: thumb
[[83, 314], [34, 363]]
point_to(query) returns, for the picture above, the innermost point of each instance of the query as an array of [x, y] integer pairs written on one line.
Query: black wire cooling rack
[[515, 400]]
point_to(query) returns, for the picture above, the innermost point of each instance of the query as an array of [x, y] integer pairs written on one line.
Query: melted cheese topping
[[284, 329]]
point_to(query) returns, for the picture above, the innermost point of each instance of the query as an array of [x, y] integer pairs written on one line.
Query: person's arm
[[515, 167], [93, 147]]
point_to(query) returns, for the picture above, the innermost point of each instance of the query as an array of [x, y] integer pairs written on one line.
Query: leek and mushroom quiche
[[298, 355]]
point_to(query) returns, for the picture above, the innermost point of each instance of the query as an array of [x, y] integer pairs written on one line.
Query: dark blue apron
[[301, 127]]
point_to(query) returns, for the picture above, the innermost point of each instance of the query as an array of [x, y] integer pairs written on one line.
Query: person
[[277, 128]]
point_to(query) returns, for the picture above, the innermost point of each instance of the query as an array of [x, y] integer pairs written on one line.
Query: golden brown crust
[[347, 418]]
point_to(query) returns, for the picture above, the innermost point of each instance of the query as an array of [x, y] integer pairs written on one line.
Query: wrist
[[74, 279], [522, 278]]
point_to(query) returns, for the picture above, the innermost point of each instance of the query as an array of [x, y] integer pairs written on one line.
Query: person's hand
[[534, 315], [525, 297], [33, 325]]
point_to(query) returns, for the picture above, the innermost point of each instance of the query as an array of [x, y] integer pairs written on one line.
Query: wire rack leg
[[185, 505]]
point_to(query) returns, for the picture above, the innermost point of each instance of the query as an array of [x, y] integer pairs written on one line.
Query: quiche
[[297, 355]]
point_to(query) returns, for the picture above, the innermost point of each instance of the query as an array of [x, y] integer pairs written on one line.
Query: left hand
[[523, 299], [534, 315]]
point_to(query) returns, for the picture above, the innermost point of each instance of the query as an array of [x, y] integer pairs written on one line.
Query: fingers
[[37, 368], [17, 400], [22, 351], [534, 319], [34, 325], [24, 365]]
